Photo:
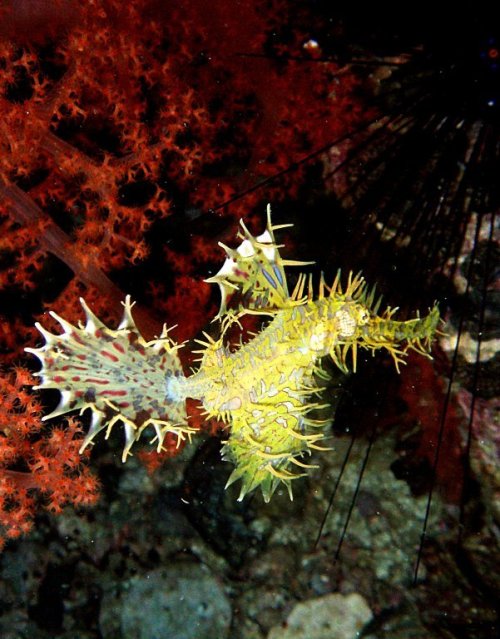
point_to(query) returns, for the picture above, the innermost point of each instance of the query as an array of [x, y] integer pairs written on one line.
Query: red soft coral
[[37, 466], [129, 113], [129, 132]]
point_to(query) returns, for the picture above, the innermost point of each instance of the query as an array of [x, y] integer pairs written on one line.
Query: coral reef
[[118, 127], [133, 136], [123, 130]]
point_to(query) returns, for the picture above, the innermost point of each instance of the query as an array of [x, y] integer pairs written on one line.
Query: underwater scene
[[249, 259]]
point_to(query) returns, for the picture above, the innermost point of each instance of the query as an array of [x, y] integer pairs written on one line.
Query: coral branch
[[37, 466]]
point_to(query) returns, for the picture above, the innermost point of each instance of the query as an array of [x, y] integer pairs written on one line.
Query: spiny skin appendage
[[265, 390]]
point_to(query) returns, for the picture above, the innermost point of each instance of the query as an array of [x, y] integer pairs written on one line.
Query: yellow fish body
[[265, 391]]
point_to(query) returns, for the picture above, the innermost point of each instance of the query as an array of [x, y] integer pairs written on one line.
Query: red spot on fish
[[112, 357], [114, 393], [76, 378], [240, 273], [118, 347], [104, 382]]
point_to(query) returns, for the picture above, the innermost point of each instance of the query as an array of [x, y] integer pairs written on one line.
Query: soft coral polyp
[[37, 466]]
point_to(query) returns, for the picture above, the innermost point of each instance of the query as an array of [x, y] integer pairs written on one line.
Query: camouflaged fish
[[266, 390]]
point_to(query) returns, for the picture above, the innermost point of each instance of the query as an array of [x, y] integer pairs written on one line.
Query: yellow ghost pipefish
[[265, 390]]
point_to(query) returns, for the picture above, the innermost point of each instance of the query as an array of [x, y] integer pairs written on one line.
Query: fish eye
[[364, 316]]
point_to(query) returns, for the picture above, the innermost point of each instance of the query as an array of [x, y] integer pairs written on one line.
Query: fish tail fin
[[116, 374]]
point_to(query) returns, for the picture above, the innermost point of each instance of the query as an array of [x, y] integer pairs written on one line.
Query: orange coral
[[36, 465], [128, 134], [126, 113]]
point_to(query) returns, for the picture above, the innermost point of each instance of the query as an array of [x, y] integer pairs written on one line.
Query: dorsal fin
[[255, 270]]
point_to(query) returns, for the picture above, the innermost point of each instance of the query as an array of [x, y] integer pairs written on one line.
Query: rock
[[333, 616], [183, 601]]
